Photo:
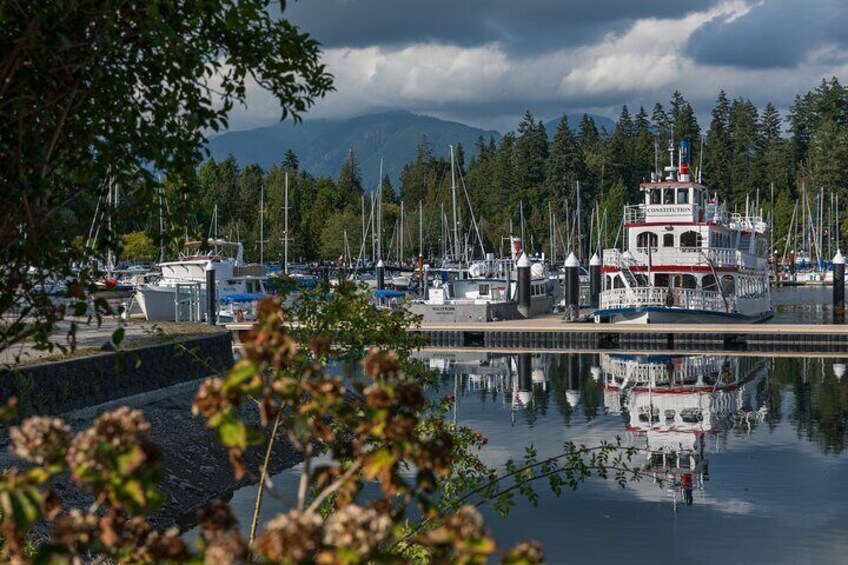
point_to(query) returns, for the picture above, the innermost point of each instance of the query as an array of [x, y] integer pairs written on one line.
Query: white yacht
[[685, 259], [487, 290], [180, 293]]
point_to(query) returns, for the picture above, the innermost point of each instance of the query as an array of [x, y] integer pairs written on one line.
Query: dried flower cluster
[[41, 440], [295, 536]]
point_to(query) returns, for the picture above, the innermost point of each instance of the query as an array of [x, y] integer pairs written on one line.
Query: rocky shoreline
[[197, 469]]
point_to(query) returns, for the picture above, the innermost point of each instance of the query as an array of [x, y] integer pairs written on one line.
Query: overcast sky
[[485, 62]]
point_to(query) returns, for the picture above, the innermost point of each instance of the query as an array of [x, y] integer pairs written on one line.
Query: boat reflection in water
[[678, 409], [513, 379]]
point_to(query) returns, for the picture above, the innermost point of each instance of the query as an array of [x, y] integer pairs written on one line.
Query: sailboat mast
[[380, 214], [400, 254], [161, 225], [579, 233], [286, 228], [262, 223], [551, 227], [453, 196], [110, 201], [420, 228], [521, 218], [362, 205]]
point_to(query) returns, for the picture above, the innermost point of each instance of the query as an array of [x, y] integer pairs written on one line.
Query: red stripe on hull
[[673, 269]]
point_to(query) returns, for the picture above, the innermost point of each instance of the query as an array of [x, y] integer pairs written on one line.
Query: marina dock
[[554, 333]]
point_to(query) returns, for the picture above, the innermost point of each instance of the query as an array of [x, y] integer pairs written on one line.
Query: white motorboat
[[180, 293]]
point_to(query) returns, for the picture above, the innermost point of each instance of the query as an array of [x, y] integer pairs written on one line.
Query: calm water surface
[[763, 474]]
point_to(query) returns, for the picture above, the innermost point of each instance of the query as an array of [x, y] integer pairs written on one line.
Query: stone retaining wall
[[57, 387]]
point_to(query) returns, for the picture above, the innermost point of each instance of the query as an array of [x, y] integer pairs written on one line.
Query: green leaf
[[243, 371], [118, 336]]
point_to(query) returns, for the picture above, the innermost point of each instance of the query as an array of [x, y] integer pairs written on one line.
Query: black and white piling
[[572, 286], [211, 299], [839, 288], [594, 280], [381, 275], [522, 267]]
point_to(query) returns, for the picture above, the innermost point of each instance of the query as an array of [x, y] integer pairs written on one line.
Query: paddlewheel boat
[[685, 259]]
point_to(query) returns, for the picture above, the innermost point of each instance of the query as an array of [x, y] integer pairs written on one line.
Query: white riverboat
[[685, 258]]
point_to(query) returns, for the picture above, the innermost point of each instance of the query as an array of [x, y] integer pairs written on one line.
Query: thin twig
[[322, 496], [263, 477]]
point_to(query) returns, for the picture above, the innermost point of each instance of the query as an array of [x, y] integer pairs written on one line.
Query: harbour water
[[762, 440]]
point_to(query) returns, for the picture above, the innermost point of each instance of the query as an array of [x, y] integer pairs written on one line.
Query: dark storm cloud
[[773, 34], [528, 26]]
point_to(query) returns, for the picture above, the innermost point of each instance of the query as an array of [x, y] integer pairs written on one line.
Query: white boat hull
[[158, 303], [661, 315]]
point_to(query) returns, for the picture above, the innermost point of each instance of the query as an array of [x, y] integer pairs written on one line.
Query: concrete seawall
[[61, 386]]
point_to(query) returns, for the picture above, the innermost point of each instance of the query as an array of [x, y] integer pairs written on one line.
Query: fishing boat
[[685, 259]]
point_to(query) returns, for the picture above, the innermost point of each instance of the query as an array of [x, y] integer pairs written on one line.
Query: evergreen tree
[[290, 161], [718, 150], [349, 184], [662, 123], [565, 162], [621, 152], [645, 149], [744, 176]]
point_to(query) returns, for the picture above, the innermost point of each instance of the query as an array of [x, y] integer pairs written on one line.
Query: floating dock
[[552, 333]]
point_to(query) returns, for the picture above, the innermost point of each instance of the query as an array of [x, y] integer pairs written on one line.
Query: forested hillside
[[744, 152]]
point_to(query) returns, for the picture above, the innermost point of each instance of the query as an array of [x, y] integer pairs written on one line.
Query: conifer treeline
[[745, 152]]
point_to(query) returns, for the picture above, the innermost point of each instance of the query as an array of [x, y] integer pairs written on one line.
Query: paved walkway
[[91, 338]]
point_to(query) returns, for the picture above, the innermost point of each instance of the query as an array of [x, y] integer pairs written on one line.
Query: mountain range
[[322, 145]]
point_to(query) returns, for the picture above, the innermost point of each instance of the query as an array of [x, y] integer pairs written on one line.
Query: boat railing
[[684, 370], [634, 214], [646, 296], [717, 256], [612, 257], [749, 223]]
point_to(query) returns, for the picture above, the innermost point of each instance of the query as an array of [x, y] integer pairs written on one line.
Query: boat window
[[646, 239], [683, 196], [668, 240], [641, 279], [685, 281], [690, 239], [728, 283], [669, 416], [709, 283], [655, 196], [668, 196], [483, 290], [617, 282], [661, 280], [691, 415]]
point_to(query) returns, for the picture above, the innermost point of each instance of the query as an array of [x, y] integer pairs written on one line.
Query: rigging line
[[473, 219]]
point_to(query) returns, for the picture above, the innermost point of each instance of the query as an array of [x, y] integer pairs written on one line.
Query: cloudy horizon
[[484, 62]]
